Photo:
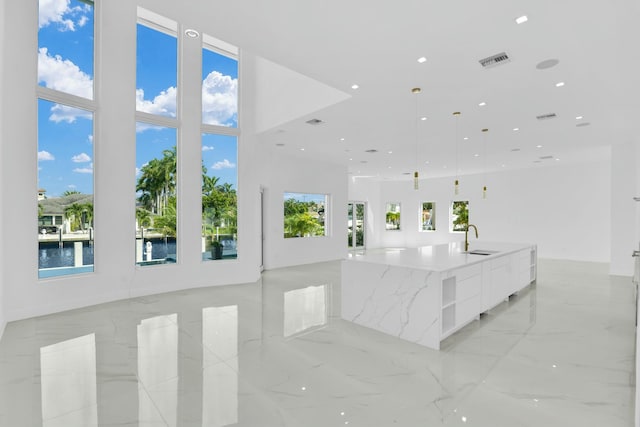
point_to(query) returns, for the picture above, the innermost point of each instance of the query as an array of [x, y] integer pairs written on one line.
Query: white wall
[[2, 269], [624, 225], [281, 173], [565, 210], [115, 275]]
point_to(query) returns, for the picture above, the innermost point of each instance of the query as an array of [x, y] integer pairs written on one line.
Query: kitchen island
[[427, 293]]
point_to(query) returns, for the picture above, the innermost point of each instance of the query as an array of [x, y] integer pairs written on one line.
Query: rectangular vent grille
[[492, 61], [546, 157], [546, 116], [315, 122]]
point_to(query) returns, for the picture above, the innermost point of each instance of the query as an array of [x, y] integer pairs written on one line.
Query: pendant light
[[484, 137], [416, 182], [456, 185]]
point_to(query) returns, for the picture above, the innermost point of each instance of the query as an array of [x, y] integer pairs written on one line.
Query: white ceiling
[[376, 44]]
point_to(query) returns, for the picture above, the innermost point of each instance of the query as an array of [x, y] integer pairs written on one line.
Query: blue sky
[[65, 63]]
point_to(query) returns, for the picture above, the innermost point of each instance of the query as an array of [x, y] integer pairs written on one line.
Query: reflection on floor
[[276, 353]]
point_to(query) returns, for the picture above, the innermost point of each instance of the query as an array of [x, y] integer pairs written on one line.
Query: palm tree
[[144, 218], [88, 213], [74, 213]]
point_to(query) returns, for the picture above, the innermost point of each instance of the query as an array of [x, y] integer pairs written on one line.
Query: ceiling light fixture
[[521, 19], [354, 87], [422, 60], [456, 184], [191, 33], [516, 129], [579, 118], [559, 84], [482, 104], [423, 118], [416, 184]]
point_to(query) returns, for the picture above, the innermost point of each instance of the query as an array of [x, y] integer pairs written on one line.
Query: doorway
[[356, 225]]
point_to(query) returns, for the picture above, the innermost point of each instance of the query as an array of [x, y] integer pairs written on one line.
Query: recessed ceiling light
[[557, 160], [482, 104], [579, 118], [351, 159], [388, 167], [516, 129], [302, 149], [547, 63], [538, 146], [583, 124], [465, 138], [423, 118], [521, 19], [476, 155], [422, 59], [559, 84], [390, 152], [427, 162], [192, 33], [341, 139], [354, 87]]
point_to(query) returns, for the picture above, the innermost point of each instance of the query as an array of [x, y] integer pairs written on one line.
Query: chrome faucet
[[466, 236]]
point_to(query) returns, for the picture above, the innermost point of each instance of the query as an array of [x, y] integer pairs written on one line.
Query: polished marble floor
[[276, 353]]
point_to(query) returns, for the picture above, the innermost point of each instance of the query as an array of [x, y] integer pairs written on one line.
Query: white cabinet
[[461, 297]]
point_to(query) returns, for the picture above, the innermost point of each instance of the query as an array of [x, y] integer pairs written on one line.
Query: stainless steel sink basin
[[482, 252]]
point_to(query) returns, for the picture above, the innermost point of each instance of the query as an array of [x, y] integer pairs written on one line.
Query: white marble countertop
[[441, 257]]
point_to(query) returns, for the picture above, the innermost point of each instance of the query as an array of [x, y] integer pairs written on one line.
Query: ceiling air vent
[[371, 151], [546, 116], [495, 60], [546, 157], [315, 122]]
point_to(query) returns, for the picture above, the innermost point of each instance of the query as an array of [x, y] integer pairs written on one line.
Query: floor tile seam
[[153, 402]]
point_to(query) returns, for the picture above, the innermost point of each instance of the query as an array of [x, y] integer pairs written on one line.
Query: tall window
[[392, 216], [65, 137], [459, 216], [219, 150], [428, 216], [156, 141]]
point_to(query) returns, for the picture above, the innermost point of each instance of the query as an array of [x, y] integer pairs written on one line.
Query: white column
[[77, 254]]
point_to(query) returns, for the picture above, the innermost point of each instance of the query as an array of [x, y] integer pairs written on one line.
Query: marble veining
[[277, 353]]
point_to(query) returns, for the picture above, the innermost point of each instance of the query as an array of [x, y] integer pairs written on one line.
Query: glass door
[[356, 225]]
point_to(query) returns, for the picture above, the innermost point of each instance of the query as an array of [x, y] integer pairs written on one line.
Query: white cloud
[[81, 158], [219, 99], [71, 186], [84, 170], [64, 113], [225, 164], [141, 127], [207, 147], [90, 139], [52, 11], [59, 12], [163, 104], [45, 155], [63, 75]]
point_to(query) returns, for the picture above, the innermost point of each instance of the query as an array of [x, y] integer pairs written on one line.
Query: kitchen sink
[[482, 252]]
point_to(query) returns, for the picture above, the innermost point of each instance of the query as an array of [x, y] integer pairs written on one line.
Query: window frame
[[74, 101]]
